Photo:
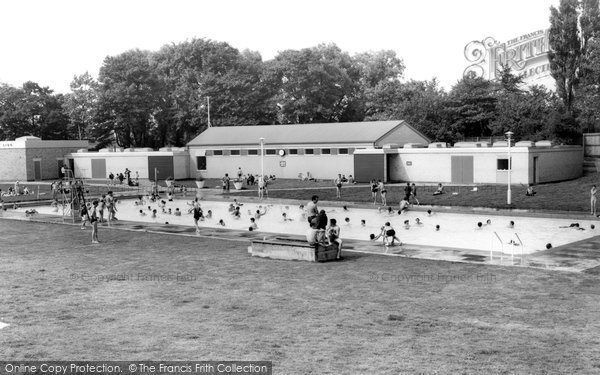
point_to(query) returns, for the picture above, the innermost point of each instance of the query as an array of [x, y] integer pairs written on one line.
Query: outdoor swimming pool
[[457, 230]]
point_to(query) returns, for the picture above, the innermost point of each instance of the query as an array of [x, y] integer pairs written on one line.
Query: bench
[[289, 249]]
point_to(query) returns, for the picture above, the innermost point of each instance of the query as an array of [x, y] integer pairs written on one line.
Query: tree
[[318, 84], [565, 49], [130, 95], [588, 104], [471, 107], [195, 70], [420, 103], [31, 110], [81, 104]]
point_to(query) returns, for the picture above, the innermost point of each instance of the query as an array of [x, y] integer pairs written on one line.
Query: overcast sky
[[50, 41]]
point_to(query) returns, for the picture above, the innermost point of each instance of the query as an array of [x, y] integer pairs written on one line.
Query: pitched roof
[[338, 132]]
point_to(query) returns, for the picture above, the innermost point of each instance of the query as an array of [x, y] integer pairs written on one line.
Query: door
[[99, 168], [462, 169], [162, 165], [37, 170], [535, 170]]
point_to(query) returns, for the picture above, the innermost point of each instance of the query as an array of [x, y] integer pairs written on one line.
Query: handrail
[[522, 246], [492, 247]]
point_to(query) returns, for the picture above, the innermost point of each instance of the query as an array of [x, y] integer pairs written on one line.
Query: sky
[[51, 41]]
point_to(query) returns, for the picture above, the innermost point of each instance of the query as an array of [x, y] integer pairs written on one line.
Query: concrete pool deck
[[581, 256]]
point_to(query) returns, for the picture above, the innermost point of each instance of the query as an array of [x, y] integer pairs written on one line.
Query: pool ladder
[[512, 243]]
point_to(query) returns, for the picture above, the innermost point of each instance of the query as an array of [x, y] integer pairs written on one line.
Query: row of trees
[[152, 99]]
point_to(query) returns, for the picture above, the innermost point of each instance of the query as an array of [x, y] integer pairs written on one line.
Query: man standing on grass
[[407, 192], [338, 186]]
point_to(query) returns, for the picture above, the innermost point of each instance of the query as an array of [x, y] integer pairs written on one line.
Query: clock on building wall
[[281, 152]]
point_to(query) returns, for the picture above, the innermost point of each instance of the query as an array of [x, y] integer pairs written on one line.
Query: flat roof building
[[31, 158]]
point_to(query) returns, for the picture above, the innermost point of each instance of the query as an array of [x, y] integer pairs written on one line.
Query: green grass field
[[148, 296]]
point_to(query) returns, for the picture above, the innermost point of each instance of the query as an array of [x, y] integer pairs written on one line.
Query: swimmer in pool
[[253, 225], [363, 222], [437, 228], [511, 225], [347, 220], [285, 217], [479, 225], [259, 214], [418, 222], [572, 225], [142, 213], [406, 224], [221, 223]]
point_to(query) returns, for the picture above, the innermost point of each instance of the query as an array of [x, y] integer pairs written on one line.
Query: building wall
[[13, 164], [557, 164], [289, 166], [51, 158], [320, 166], [434, 165], [116, 162]]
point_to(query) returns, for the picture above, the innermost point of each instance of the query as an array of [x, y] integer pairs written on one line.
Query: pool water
[[457, 230]]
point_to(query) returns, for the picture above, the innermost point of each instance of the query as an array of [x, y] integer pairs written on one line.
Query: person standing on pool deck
[[226, 181], [593, 200], [382, 192], [413, 192], [374, 189], [407, 192], [94, 222], [312, 210], [338, 186], [261, 186], [197, 217]]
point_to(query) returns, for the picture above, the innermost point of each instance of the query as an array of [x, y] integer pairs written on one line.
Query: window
[[326, 151], [343, 151], [252, 152], [309, 151], [502, 164], [271, 152], [235, 152], [201, 162], [293, 151], [218, 152]]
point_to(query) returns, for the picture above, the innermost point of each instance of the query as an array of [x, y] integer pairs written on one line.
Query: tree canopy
[[164, 97]]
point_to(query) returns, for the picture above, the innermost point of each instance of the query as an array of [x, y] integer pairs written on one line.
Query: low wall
[[293, 250]]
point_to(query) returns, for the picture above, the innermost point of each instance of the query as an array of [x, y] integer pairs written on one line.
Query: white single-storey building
[[161, 164], [318, 150], [471, 164], [391, 151]]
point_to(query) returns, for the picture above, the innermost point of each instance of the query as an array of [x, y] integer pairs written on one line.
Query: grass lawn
[[573, 195], [65, 298]]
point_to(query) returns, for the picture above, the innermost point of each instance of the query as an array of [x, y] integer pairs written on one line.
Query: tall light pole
[[208, 109], [509, 193], [262, 158]]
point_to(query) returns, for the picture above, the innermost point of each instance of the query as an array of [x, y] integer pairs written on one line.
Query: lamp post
[[262, 157], [509, 193]]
